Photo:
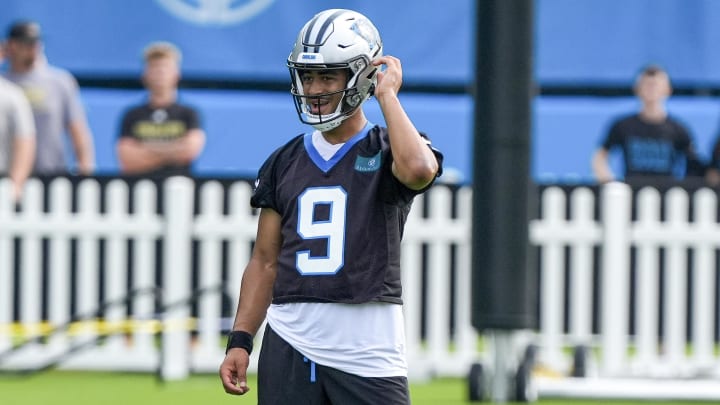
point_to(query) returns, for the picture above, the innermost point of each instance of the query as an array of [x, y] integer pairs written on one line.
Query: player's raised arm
[[414, 164]]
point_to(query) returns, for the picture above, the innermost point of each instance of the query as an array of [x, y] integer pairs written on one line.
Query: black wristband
[[239, 338]]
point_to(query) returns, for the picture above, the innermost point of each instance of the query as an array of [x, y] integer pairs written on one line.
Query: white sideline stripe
[[628, 388]]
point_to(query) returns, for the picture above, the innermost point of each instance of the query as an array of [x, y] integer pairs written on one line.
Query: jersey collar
[[326, 165]]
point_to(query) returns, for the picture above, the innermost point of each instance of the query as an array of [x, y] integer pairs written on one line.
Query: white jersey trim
[[326, 149]]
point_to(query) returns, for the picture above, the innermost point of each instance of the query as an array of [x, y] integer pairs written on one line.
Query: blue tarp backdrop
[[239, 39], [588, 41]]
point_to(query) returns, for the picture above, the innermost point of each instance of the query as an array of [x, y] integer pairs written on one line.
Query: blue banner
[[606, 42], [577, 42], [248, 39]]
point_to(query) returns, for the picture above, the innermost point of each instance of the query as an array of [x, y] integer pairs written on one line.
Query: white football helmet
[[335, 39]]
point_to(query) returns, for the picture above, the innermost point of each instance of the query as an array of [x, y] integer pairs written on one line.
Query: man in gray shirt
[[17, 136], [55, 100]]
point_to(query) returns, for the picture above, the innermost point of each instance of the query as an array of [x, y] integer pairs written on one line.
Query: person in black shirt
[[325, 269], [160, 137], [653, 143]]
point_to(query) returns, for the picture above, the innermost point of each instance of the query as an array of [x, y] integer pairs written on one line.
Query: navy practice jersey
[[342, 219]]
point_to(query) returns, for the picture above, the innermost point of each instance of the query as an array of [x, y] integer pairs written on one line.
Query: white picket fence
[[667, 355], [178, 228], [624, 346]]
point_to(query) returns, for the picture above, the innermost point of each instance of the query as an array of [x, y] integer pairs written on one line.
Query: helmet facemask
[[351, 96]]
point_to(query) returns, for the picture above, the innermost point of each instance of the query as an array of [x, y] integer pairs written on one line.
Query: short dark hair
[[651, 70]]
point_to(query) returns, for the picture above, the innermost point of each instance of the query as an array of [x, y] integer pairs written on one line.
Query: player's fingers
[[243, 387], [242, 380], [395, 62], [235, 389], [388, 60], [231, 383], [391, 66]]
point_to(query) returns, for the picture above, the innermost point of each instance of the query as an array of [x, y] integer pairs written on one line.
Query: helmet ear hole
[[353, 100]]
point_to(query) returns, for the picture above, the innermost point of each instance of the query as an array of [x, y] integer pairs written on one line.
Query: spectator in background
[[17, 136], [160, 137], [55, 100], [653, 143]]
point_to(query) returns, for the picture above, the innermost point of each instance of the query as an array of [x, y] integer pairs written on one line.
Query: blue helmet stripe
[[321, 33]]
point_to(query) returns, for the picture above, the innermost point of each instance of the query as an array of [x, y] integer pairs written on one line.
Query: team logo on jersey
[[159, 116], [215, 12], [368, 164]]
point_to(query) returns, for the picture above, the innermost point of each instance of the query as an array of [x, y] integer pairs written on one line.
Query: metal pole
[[502, 366], [503, 284]]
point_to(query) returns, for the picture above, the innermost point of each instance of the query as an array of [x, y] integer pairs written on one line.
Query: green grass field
[[76, 388]]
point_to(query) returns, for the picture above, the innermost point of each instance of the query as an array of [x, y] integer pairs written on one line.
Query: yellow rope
[[96, 327]]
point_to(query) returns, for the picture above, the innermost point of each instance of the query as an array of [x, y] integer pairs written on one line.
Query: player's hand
[[233, 371], [389, 80]]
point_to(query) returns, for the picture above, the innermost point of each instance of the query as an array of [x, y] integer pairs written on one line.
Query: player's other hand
[[233, 372], [389, 80]]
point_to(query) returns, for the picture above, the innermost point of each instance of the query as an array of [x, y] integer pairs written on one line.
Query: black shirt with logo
[[654, 148], [149, 124]]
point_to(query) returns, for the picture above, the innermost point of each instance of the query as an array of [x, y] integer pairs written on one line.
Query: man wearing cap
[[55, 100]]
